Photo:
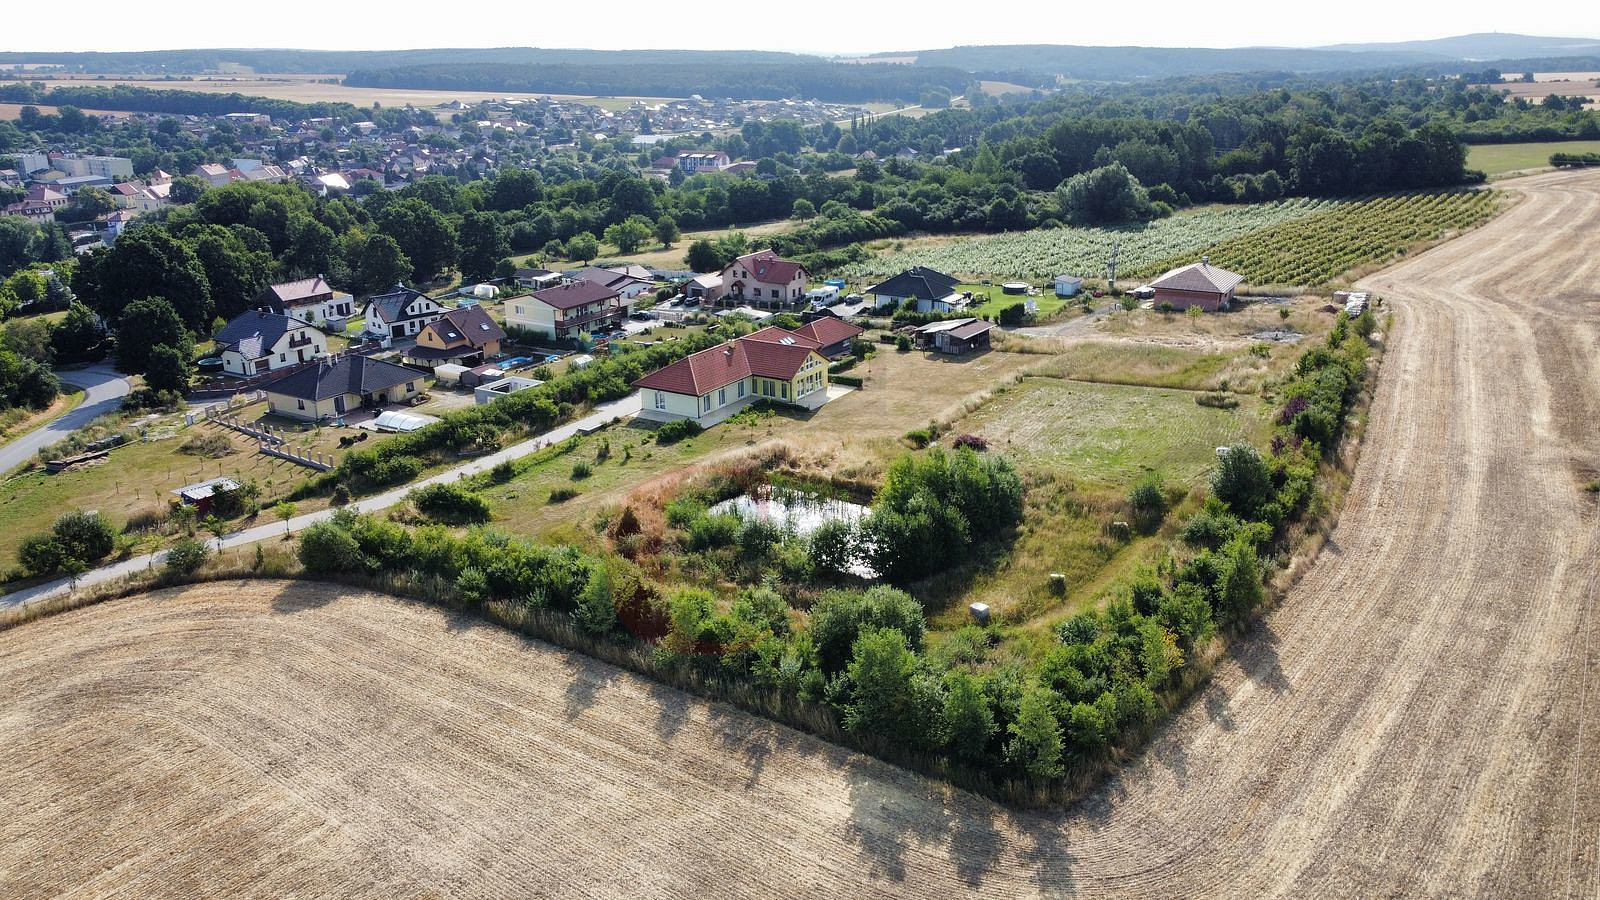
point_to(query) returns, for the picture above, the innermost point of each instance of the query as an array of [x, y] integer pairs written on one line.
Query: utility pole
[[1111, 267]]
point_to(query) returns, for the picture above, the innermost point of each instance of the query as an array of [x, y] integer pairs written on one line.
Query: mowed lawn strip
[[1497, 159], [1109, 433]]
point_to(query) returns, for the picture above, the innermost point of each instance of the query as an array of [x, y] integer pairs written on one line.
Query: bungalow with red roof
[[832, 334], [567, 310], [771, 364], [1199, 284], [764, 280]]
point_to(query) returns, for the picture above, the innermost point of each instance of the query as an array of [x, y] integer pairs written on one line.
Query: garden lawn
[[1108, 433]]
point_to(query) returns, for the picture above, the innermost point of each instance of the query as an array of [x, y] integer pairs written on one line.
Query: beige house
[[341, 385], [764, 280]]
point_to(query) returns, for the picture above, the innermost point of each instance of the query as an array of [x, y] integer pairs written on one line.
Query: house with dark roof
[[338, 385], [464, 336], [764, 280], [954, 336], [628, 281], [567, 310], [255, 343], [1198, 284], [925, 289], [400, 313], [772, 364], [310, 300]]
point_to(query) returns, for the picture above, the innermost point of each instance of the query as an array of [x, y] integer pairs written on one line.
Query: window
[[741, 388], [705, 403], [411, 387], [661, 400], [283, 357], [784, 390], [722, 396], [301, 403], [776, 295]]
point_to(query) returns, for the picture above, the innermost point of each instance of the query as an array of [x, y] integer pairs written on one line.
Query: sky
[[815, 26]]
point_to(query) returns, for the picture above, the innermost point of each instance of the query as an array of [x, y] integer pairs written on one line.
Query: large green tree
[[236, 273], [149, 262], [380, 265], [484, 242], [424, 235], [144, 325]]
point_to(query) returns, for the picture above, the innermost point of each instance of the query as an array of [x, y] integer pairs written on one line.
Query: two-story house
[[255, 343], [566, 310], [400, 313], [764, 280], [464, 336], [310, 300]]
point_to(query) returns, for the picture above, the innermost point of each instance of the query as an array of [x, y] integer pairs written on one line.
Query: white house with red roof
[[765, 280], [772, 364]]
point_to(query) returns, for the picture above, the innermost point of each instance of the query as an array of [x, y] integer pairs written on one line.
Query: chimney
[[1205, 260]]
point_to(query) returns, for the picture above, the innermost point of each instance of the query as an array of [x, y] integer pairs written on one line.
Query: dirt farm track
[[1420, 718]]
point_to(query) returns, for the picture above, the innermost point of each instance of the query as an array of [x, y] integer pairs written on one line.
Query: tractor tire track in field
[[1419, 717]]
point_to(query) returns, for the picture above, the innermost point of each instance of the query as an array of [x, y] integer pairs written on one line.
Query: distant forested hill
[[753, 81], [1130, 63], [340, 61]]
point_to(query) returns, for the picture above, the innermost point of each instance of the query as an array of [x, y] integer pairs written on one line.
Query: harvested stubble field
[[1419, 717]]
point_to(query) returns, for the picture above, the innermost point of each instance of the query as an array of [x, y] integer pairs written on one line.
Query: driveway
[[627, 406], [103, 393]]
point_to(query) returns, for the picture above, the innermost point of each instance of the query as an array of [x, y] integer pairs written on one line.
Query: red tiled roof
[[573, 294], [763, 353], [774, 334], [767, 267], [827, 330]]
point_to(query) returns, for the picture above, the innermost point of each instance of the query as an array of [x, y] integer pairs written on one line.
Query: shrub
[[42, 555], [854, 381], [208, 444], [903, 343], [581, 470], [677, 430], [562, 494], [933, 509], [1147, 504], [831, 547], [186, 557], [970, 441], [450, 503], [502, 472], [340, 496], [839, 617], [708, 532], [1242, 481], [682, 512], [918, 438], [85, 536], [327, 549], [1013, 314]]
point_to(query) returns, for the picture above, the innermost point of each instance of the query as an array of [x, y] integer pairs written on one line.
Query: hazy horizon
[[828, 28]]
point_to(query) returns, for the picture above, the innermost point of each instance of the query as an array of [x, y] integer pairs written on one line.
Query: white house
[[400, 313], [764, 280], [692, 161], [771, 364], [924, 289], [566, 310], [255, 343], [628, 281]]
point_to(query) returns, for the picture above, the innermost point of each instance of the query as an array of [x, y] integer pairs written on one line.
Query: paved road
[[604, 413], [104, 390]]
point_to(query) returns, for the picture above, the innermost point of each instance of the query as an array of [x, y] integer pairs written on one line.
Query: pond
[[793, 511]]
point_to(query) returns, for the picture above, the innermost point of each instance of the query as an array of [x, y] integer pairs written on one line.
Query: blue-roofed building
[[256, 343]]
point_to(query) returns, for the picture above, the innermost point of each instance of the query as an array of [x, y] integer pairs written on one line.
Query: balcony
[[303, 340]]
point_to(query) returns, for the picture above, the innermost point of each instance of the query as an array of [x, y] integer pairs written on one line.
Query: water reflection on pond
[[790, 510]]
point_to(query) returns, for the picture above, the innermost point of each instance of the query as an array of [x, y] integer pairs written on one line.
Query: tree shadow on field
[[1259, 658], [585, 679], [672, 710], [300, 596]]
